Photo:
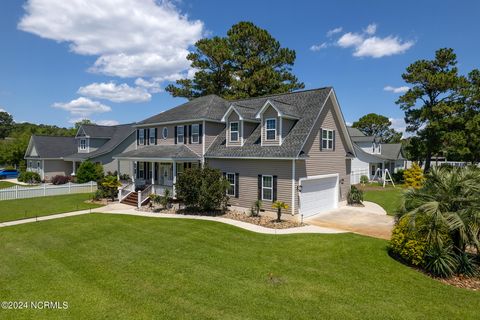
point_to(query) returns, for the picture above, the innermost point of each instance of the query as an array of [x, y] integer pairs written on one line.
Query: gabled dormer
[[83, 141], [277, 118], [240, 123]]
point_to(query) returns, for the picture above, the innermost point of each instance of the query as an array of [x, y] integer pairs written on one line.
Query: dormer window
[[271, 129], [180, 134], [234, 134], [83, 144], [327, 139], [195, 133]]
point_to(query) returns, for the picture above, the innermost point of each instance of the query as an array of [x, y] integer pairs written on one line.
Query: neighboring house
[[373, 156], [51, 156], [292, 147]]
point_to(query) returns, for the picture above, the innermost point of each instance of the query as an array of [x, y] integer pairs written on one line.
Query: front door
[[166, 177]]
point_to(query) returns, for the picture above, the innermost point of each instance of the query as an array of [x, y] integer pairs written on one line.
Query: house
[[292, 147], [373, 156], [53, 155]]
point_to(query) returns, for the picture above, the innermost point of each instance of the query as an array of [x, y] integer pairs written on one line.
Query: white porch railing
[[43, 190], [125, 191], [357, 174], [144, 195]]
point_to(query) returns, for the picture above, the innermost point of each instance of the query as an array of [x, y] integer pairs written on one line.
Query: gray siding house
[[291, 147], [51, 155]]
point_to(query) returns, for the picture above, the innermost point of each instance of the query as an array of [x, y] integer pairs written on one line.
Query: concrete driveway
[[370, 220]]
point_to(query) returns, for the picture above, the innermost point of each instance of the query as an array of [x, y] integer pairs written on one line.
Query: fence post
[[69, 187], [16, 192], [91, 186], [139, 199], [44, 189]]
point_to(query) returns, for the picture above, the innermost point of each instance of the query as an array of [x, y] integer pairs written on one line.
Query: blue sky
[[110, 60]]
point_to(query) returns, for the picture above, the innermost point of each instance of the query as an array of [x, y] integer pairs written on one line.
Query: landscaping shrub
[[255, 210], [407, 244], [109, 186], [98, 195], [355, 196], [29, 177], [413, 176], [89, 171], [202, 189], [398, 176], [59, 179], [279, 205], [364, 180]]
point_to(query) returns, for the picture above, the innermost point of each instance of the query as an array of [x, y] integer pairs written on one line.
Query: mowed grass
[[388, 198], [6, 184], [126, 267], [43, 206]]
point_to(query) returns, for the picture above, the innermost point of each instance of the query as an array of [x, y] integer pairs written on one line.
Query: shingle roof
[[286, 108], [160, 152], [307, 103], [117, 134], [392, 150], [53, 147], [354, 132], [209, 107]]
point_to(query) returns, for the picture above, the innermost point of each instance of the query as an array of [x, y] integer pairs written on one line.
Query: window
[[195, 133], [165, 133], [271, 129], [327, 139], [141, 136], [30, 164], [234, 131], [180, 134], [141, 169], [83, 144], [267, 188], [231, 179], [38, 164], [152, 136]]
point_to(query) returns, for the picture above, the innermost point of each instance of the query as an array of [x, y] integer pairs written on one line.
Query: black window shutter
[[175, 134], [259, 187], [156, 129], [190, 134], [145, 137], [274, 197], [138, 136], [236, 185], [321, 139], [200, 133], [185, 134], [333, 142]]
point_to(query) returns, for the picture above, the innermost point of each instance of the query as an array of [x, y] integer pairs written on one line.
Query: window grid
[[231, 179], [327, 139], [180, 134], [141, 136], [271, 129], [267, 188], [151, 136], [234, 131], [195, 133]]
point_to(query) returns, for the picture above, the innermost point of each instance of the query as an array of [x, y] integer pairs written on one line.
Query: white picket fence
[[356, 174], [22, 192]]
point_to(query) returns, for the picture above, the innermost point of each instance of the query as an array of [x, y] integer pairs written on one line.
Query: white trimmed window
[[271, 129], [83, 144], [180, 134], [165, 133], [327, 139], [195, 133], [231, 179], [151, 136], [234, 134], [141, 136], [141, 169], [267, 188]]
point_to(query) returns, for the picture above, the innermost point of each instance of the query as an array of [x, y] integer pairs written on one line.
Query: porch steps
[[131, 199]]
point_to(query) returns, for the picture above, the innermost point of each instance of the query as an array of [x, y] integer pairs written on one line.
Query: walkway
[[117, 208]]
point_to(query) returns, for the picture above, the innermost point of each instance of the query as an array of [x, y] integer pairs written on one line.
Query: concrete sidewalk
[[117, 208]]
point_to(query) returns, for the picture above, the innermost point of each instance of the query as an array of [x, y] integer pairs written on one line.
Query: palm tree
[[279, 205], [446, 211]]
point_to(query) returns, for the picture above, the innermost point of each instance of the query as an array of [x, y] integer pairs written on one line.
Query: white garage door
[[318, 194]]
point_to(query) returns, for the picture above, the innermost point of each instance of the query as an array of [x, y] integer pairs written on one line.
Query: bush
[[59, 179], [89, 171], [407, 244], [203, 189], [363, 180], [29, 177], [414, 176], [398, 176], [355, 196], [98, 195], [109, 186]]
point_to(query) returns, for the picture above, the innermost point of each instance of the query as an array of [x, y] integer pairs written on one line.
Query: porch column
[[118, 170], [133, 171], [174, 176], [153, 172], [73, 168]]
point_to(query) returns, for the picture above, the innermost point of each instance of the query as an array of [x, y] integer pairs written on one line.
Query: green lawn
[[43, 206], [126, 267], [389, 198], [6, 184]]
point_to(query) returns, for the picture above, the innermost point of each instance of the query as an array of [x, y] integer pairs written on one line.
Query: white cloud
[[399, 125], [367, 45], [116, 93], [107, 122], [401, 89], [82, 107], [318, 47], [152, 86], [131, 38], [334, 31], [371, 29], [2, 110]]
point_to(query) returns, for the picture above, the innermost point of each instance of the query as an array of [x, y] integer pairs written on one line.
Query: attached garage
[[318, 194]]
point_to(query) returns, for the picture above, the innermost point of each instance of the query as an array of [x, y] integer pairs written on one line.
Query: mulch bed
[[463, 282], [263, 221]]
